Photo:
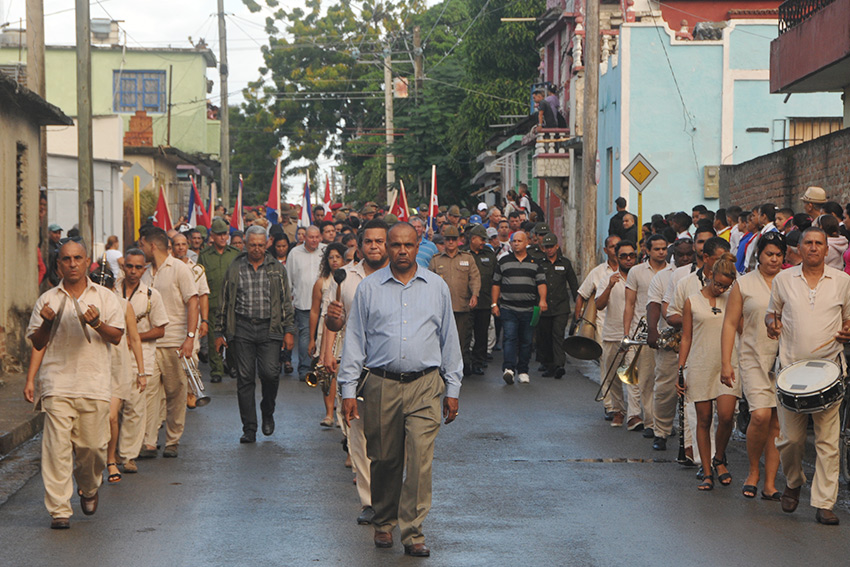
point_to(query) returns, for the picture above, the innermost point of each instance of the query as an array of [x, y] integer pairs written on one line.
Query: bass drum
[[810, 386]]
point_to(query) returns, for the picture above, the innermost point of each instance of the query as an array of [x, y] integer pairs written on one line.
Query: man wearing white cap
[[813, 201]]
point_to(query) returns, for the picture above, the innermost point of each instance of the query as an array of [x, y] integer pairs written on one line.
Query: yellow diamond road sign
[[640, 173]]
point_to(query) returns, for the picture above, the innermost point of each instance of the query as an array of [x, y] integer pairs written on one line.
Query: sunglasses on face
[[627, 256]]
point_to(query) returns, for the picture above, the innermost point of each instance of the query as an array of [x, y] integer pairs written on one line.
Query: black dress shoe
[[648, 433], [541, 368], [559, 373], [609, 415], [659, 444], [248, 437], [417, 550], [215, 379], [549, 373], [366, 515], [478, 370], [268, 425], [60, 524]]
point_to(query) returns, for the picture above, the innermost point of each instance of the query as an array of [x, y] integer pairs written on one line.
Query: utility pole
[[85, 180], [589, 137], [388, 109], [223, 113], [36, 83], [419, 79]]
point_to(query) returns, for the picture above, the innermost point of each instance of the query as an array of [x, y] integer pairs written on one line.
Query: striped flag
[[306, 210]]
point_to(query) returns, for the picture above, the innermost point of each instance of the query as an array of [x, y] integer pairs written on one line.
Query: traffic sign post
[[640, 174]]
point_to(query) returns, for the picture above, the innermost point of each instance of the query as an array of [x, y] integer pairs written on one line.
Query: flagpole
[[431, 201]]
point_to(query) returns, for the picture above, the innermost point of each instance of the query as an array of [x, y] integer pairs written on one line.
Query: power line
[[449, 52]]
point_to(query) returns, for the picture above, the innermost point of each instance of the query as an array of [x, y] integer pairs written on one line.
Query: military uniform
[[461, 274], [553, 322], [215, 267], [485, 261]]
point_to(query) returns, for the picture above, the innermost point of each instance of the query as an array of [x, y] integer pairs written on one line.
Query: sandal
[[707, 483], [725, 478], [113, 477], [749, 491], [327, 422], [775, 497]]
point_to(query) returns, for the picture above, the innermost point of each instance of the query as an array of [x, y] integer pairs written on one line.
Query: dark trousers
[[550, 340], [518, 334], [463, 320], [480, 327], [256, 353]]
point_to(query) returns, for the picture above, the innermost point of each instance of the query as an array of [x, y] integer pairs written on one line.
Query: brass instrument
[[670, 339], [626, 372], [582, 343], [321, 375], [196, 386]]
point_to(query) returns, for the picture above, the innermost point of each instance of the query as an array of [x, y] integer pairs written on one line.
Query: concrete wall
[[727, 106], [189, 113], [18, 268], [782, 177]]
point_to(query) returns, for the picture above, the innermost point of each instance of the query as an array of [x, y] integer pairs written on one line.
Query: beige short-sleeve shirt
[[810, 317], [150, 313], [612, 330], [638, 281], [657, 287], [72, 366], [175, 282], [686, 287]]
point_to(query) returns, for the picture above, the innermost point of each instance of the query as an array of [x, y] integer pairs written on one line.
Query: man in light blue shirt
[[427, 249], [401, 327]]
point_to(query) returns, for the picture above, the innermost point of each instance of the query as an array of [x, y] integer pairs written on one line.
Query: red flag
[[236, 218], [399, 208], [199, 216], [327, 204], [161, 216]]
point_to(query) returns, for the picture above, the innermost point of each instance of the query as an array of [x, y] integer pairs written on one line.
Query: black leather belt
[[402, 376]]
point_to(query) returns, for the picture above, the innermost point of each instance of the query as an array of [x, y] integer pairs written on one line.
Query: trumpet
[[670, 339], [626, 372], [196, 386]]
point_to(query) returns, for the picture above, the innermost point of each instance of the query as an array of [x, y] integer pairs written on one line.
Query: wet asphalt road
[[529, 475]]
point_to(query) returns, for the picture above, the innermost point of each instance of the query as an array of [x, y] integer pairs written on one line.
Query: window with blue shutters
[[138, 90]]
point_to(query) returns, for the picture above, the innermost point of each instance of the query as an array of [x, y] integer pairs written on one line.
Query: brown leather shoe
[[790, 499], [60, 524], [383, 539], [618, 419], [417, 550], [826, 517], [89, 505]]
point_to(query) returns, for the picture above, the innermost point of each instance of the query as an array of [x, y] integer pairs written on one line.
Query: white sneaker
[[508, 376], [523, 378]]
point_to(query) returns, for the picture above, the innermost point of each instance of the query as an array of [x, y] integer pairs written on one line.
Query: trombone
[[626, 372], [196, 386]]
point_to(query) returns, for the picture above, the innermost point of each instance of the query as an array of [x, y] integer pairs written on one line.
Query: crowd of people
[[440, 298]]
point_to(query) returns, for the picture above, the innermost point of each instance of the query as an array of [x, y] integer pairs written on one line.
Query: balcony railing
[[794, 12], [551, 141]]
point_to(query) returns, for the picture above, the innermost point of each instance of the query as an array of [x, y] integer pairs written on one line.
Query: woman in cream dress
[[756, 355], [702, 323]]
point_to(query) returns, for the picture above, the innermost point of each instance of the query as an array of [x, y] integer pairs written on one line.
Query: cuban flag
[[197, 214], [273, 204], [306, 217]]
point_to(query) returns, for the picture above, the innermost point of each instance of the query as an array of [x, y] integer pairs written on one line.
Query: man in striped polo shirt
[[519, 284]]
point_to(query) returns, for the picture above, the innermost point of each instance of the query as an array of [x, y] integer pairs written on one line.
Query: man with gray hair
[[427, 249], [303, 270], [256, 319]]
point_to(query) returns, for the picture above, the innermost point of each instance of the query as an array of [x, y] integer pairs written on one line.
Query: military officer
[[485, 261], [553, 322], [534, 249], [215, 260], [458, 269]]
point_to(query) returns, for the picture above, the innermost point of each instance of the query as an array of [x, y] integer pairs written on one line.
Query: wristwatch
[[190, 335]]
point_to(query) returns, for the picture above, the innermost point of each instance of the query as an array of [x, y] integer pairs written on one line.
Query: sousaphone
[[582, 343]]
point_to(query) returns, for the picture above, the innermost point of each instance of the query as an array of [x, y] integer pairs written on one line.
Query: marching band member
[[702, 324], [372, 241], [745, 309], [74, 324], [176, 283], [637, 291], [151, 320], [666, 361], [612, 298], [810, 304]]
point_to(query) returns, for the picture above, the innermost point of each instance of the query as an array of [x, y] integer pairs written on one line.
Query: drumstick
[[823, 345]]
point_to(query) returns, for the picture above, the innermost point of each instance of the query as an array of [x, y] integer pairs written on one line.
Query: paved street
[[528, 475]]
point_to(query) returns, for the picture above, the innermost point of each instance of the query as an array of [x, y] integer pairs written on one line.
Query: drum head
[[807, 376]]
